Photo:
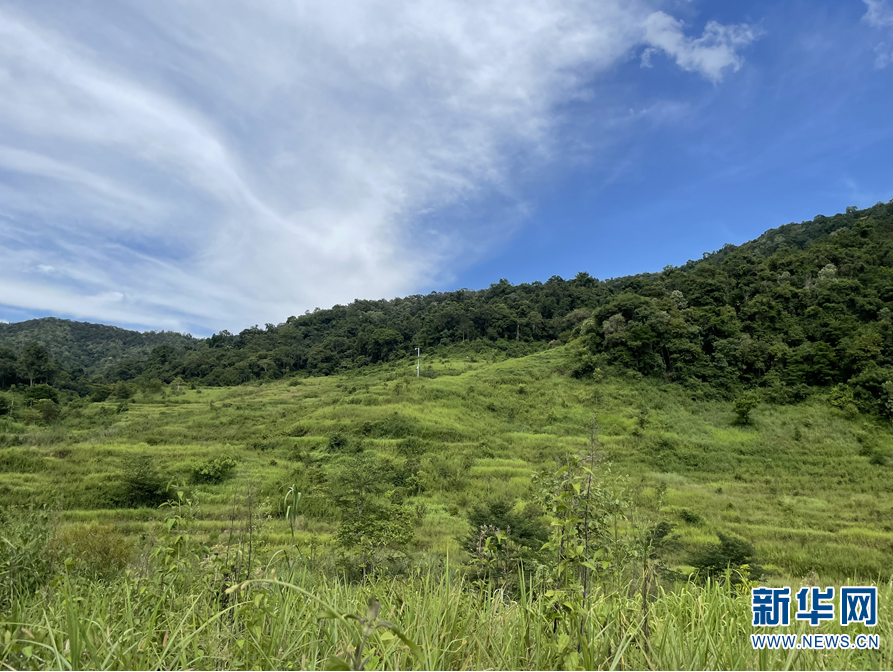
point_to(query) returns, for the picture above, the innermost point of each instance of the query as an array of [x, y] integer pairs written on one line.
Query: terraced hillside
[[808, 484]]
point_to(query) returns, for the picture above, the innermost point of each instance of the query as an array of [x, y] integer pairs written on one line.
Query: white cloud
[[215, 165], [710, 54], [879, 14]]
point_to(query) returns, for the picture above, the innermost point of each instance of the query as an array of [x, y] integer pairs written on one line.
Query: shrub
[[214, 471], [37, 392], [28, 416], [525, 528], [877, 459], [299, 430], [339, 443], [731, 553], [141, 485], [5, 403], [99, 391], [122, 391], [841, 397], [743, 405], [49, 410], [411, 447], [585, 366]]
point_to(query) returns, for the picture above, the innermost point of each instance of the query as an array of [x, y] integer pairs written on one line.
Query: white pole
[[418, 366]]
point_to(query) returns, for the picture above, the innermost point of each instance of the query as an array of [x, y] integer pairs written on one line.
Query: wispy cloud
[[210, 165], [880, 15]]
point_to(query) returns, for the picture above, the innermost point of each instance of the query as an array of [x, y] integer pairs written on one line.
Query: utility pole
[[418, 365]]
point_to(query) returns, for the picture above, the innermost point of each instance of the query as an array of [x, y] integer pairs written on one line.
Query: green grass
[[802, 483], [296, 621], [799, 482]]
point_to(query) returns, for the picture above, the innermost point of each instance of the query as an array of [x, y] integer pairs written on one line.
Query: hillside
[[425, 493], [83, 345], [473, 431], [803, 309]]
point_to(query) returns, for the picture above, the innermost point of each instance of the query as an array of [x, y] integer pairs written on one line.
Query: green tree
[[743, 406], [5, 403], [49, 410], [382, 343], [41, 391], [358, 481], [34, 363], [8, 367]]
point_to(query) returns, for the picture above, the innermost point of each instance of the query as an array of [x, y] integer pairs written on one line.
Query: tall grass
[[430, 620]]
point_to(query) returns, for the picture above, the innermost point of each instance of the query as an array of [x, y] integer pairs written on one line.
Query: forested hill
[[83, 345], [804, 306]]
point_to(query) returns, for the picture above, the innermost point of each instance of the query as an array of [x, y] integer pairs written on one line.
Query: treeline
[[806, 305]]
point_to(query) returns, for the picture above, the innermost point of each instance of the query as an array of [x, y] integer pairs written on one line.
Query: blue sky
[[200, 166]]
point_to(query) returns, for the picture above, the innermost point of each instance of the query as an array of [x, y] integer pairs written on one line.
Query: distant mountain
[[92, 347]]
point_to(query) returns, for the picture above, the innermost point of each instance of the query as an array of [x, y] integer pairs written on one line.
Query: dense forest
[[804, 306], [79, 348]]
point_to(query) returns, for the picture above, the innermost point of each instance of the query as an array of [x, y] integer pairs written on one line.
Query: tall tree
[[34, 363]]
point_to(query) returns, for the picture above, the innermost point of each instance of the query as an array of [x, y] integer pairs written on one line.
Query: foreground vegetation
[[424, 621], [504, 514]]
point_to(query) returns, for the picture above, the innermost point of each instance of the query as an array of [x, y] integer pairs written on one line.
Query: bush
[[214, 471], [585, 367], [877, 459], [743, 405], [299, 430], [841, 397], [122, 391], [340, 443], [731, 553], [142, 485], [49, 410], [99, 391], [28, 416], [37, 392], [5, 403], [525, 528], [412, 447]]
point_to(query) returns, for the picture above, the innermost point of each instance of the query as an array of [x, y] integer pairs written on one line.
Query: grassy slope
[[798, 483]]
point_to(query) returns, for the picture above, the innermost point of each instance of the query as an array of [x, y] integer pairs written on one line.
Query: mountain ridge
[[817, 289]]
